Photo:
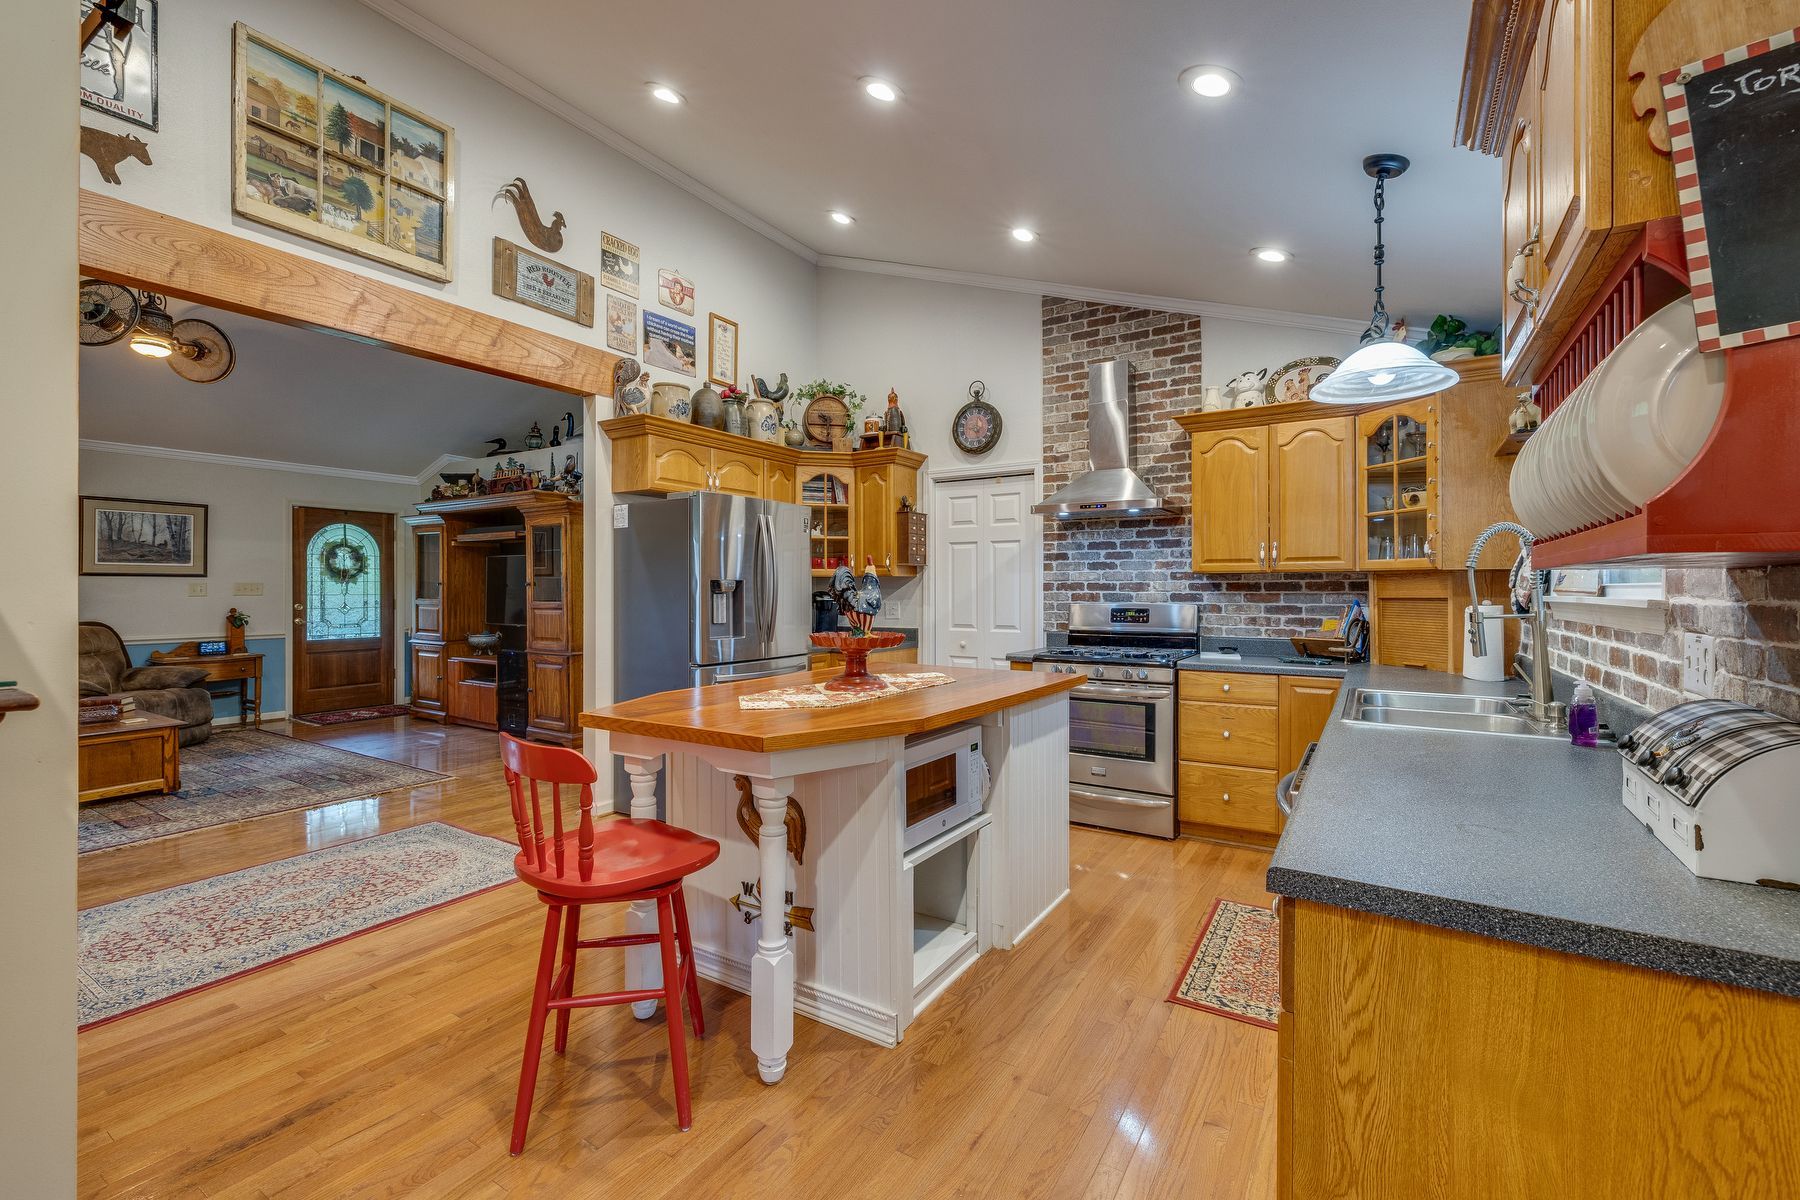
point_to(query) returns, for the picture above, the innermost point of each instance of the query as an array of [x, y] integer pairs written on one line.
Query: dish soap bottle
[[1584, 717]]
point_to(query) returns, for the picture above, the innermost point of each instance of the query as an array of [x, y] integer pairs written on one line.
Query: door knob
[[962, 645], [299, 608]]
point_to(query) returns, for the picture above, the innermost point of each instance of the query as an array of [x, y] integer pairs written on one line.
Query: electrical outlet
[[246, 589], [1697, 665], [196, 589]]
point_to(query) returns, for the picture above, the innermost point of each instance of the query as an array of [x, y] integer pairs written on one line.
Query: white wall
[[250, 525], [1229, 348], [499, 135], [37, 596]]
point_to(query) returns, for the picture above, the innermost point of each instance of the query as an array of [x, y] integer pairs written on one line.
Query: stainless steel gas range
[[1122, 720]]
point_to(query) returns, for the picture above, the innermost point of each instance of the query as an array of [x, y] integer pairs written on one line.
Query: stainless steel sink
[[1432, 710]]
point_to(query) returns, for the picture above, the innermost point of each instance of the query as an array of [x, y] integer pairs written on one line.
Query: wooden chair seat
[[630, 856]]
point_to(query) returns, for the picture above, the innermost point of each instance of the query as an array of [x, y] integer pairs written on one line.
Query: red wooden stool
[[620, 861]]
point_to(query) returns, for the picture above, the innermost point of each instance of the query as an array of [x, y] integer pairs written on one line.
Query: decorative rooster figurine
[[544, 237], [858, 602]]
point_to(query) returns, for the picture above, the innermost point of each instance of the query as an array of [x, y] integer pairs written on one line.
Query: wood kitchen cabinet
[[1307, 705], [1238, 734], [1549, 87], [1274, 497], [880, 489]]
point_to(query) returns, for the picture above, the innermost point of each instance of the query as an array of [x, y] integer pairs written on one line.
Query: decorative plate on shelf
[[1293, 383], [825, 418], [976, 427]]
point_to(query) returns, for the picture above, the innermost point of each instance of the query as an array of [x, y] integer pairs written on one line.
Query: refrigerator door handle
[[767, 585]]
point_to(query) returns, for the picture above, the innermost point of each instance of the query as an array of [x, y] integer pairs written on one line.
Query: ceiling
[[1062, 115], [298, 396]]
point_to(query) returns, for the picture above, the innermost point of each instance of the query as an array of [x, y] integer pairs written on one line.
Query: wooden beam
[[142, 248]]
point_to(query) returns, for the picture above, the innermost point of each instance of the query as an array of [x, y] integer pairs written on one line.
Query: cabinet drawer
[[1237, 735], [1224, 687], [1232, 797]]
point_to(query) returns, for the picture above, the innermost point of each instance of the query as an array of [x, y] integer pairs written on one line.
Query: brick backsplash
[[1135, 559], [1754, 614]]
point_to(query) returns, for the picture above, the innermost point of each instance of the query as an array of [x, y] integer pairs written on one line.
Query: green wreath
[[343, 562]]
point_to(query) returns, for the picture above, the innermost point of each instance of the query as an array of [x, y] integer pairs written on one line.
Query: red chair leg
[[665, 925], [686, 946], [571, 934], [534, 1029]]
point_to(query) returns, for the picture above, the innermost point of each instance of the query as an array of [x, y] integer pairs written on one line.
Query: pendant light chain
[[1378, 319]]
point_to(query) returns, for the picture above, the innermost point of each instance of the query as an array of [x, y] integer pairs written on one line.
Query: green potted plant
[[1450, 339]]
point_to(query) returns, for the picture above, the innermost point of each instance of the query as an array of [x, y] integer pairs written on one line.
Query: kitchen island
[[874, 930]]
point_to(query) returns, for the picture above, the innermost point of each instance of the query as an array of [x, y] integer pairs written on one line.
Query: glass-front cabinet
[[826, 494], [1397, 473], [546, 616], [428, 595]]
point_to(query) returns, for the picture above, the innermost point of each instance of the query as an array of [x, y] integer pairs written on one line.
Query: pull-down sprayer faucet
[[1543, 704]]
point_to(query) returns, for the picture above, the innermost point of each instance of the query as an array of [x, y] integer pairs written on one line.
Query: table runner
[[814, 695]]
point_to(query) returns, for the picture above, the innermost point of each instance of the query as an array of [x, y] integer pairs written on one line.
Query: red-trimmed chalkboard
[[1734, 130]]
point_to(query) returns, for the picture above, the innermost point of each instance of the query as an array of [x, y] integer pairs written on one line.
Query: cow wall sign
[[528, 277]]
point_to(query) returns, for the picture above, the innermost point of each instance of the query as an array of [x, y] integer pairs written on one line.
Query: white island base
[[891, 928]]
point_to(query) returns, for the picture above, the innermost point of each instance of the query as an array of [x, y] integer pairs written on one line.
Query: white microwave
[[946, 781]]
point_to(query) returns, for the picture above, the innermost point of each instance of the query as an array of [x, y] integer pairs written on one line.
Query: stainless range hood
[[1110, 488]]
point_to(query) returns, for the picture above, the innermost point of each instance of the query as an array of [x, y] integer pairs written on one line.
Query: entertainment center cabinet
[[509, 565]]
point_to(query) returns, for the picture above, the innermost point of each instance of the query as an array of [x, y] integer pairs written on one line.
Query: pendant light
[[1383, 370]]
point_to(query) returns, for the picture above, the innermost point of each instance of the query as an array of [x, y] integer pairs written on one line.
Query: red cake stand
[[855, 649]]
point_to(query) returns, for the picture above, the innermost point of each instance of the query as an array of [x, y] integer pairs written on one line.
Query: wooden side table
[[242, 669], [122, 758]]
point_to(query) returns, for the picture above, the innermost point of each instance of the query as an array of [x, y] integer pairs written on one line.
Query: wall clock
[[976, 427], [825, 418]]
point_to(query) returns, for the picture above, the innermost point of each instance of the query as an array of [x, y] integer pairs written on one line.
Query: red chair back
[[531, 771]]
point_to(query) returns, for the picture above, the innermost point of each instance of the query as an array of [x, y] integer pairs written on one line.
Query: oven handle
[[1117, 801], [1101, 691]]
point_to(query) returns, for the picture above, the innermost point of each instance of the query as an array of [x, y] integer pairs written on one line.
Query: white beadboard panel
[[848, 964], [1028, 750]]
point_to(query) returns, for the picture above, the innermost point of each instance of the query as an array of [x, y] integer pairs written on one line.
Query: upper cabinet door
[[1231, 499], [737, 473], [1520, 260], [1312, 498], [1571, 221], [875, 509], [677, 467]]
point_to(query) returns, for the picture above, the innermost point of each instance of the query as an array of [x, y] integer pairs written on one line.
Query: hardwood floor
[[385, 1065]]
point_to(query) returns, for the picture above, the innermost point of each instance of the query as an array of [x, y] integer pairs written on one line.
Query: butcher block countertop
[[710, 716]]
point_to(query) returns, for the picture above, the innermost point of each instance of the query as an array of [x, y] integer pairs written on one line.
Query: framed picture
[[325, 156], [675, 290], [118, 74], [619, 265], [525, 276], [669, 344], [621, 324], [142, 537], [722, 345]]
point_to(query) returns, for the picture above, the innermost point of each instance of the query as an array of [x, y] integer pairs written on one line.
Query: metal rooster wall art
[[548, 238]]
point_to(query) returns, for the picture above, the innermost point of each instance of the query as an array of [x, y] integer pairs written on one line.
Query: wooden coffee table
[[123, 758]]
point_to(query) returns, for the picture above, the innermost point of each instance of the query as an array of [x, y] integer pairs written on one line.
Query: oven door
[[1122, 736]]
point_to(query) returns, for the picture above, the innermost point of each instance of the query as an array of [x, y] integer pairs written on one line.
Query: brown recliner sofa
[[105, 670]]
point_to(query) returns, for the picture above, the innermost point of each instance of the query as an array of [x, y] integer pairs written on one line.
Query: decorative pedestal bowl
[[855, 649]]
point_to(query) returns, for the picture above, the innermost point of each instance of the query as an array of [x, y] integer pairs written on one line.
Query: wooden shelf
[[493, 535], [15, 699], [1514, 442]]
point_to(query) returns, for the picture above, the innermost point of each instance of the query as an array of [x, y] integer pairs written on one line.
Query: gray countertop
[[1264, 664], [1517, 839]]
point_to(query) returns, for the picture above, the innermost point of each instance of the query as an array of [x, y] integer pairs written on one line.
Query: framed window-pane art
[[325, 156]]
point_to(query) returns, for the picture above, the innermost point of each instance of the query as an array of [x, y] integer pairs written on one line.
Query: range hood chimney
[[1110, 488]]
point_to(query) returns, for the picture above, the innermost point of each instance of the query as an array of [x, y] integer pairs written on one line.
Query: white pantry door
[[985, 560]]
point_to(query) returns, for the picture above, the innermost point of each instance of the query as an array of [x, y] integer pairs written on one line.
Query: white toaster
[[1719, 784]]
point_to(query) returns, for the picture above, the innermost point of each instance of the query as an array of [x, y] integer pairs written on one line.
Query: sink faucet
[[1544, 706]]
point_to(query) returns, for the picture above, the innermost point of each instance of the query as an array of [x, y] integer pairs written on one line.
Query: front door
[[343, 609], [985, 561]]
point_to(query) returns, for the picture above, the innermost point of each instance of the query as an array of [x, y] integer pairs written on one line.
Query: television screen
[[506, 589]]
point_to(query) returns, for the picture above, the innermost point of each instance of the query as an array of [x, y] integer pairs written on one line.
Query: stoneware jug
[[737, 422], [765, 420], [670, 400], [1212, 398], [709, 410]]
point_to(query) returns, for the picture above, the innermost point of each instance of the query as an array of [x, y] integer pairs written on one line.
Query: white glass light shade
[[1382, 372]]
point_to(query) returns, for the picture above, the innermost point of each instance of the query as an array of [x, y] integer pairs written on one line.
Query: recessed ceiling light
[[1022, 234], [880, 89], [665, 93], [842, 218], [1270, 254], [1209, 81]]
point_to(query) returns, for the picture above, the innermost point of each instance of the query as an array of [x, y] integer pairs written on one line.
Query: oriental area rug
[[153, 948], [344, 716], [240, 774], [1235, 967]]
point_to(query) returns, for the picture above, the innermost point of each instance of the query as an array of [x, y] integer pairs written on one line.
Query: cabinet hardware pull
[[1225, 687], [1226, 734], [1275, 553], [1262, 551], [1226, 797]]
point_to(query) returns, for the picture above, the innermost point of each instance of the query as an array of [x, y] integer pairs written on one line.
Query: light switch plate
[[1697, 665], [196, 588], [246, 589]]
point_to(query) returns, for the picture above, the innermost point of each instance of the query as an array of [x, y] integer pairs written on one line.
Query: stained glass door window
[[343, 584]]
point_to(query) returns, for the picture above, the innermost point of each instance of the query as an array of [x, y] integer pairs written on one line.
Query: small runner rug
[[343, 716], [153, 948], [240, 774], [1235, 967]]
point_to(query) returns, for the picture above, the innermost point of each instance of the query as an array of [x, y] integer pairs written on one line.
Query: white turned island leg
[[772, 970], [643, 964]]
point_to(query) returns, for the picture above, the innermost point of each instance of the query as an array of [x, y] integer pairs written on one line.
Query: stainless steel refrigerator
[[707, 588]]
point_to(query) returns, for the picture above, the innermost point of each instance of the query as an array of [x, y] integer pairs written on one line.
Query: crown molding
[[422, 27], [1040, 287], [438, 464], [235, 460]]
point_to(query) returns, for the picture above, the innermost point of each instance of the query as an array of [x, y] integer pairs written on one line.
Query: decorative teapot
[[1246, 391]]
